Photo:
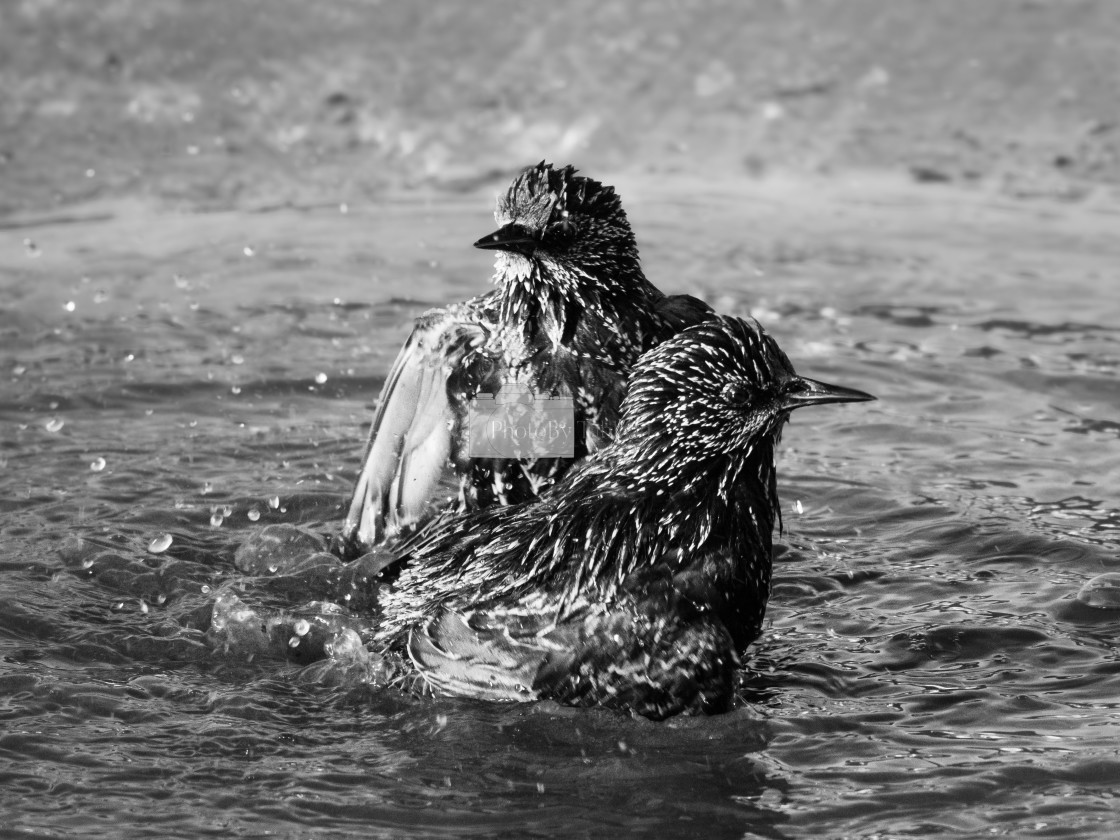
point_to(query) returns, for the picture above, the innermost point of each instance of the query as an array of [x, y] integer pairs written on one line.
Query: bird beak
[[512, 237], [802, 392]]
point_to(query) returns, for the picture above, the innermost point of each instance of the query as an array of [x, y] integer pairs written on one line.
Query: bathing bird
[[556, 339], [638, 580]]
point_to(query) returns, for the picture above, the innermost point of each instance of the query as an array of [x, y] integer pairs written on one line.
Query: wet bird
[[571, 313], [639, 578]]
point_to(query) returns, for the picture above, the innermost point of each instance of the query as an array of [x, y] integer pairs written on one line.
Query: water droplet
[[273, 569], [540, 787], [227, 510], [69, 306], [247, 251], [274, 502], [87, 562], [237, 359], [160, 544], [253, 514], [205, 589], [55, 424], [143, 606], [293, 642], [798, 507], [216, 519], [1102, 592], [98, 464], [19, 370], [236, 389], [302, 627], [320, 378], [207, 488], [344, 208], [91, 173], [161, 598]]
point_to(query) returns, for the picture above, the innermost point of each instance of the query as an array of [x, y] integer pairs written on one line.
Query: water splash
[[1102, 592]]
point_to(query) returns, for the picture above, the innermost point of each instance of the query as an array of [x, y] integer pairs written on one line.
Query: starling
[[571, 314], [640, 577]]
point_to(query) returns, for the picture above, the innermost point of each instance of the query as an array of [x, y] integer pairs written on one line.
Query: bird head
[[564, 223], [720, 388]]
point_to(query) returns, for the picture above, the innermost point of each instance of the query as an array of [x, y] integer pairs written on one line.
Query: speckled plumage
[[571, 313], [641, 576]]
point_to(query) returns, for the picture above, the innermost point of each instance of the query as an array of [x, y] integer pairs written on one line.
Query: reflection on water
[[172, 384]]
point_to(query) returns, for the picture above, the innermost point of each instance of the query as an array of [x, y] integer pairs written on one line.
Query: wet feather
[[571, 314], [641, 576]]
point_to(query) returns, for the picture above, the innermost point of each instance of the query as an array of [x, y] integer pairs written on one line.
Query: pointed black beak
[[512, 237], [801, 392]]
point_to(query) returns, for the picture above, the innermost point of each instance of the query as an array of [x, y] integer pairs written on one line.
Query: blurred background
[[249, 102]]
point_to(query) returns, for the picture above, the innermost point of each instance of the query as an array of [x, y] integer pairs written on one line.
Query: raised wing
[[411, 437]]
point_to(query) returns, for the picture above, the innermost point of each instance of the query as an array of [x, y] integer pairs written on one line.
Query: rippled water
[[926, 668]]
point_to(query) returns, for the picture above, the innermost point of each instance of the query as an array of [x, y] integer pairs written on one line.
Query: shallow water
[[926, 668]]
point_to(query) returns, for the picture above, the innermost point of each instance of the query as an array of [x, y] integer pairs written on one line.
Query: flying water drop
[[55, 424], [98, 464], [160, 544]]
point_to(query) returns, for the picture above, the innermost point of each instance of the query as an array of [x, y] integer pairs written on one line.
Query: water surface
[[926, 668]]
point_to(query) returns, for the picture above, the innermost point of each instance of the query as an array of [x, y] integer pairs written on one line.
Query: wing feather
[[411, 437], [459, 655]]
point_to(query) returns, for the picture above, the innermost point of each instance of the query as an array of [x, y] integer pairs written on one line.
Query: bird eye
[[736, 393]]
